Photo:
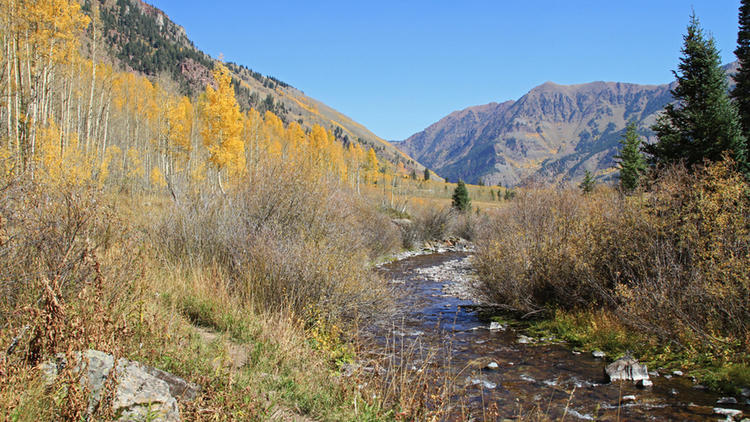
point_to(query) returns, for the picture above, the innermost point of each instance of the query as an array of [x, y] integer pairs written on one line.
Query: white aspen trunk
[[9, 88], [90, 114]]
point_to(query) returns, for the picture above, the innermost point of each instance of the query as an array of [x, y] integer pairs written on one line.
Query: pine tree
[[631, 160], [741, 92], [704, 123], [588, 183], [426, 174], [461, 200]]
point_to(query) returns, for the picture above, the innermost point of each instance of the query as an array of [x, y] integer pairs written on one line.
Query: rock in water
[[142, 393], [626, 368], [731, 414], [494, 326], [644, 383]]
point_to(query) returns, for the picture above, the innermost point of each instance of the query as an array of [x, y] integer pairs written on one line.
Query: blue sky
[[399, 66]]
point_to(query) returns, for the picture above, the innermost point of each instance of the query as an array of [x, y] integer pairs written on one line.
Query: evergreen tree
[[588, 183], [704, 122], [426, 174], [741, 92], [631, 160], [461, 199]]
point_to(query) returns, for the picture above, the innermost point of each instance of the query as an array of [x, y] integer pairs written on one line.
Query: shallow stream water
[[497, 377]]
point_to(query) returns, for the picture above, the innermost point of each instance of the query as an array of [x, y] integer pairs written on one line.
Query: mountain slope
[[554, 133], [142, 38]]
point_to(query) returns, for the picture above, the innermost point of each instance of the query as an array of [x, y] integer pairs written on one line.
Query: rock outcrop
[[141, 392]]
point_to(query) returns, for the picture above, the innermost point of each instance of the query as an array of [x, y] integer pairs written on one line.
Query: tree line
[[707, 122], [69, 117]]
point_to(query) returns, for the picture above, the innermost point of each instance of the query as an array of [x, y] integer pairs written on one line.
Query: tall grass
[[275, 270], [285, 244]]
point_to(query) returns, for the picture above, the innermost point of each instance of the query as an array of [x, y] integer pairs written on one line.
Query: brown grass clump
[[671, 261]]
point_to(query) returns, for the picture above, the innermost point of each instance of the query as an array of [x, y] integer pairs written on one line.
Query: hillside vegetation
[[142, 38]]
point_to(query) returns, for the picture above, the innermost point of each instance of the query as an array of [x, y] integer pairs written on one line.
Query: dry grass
[[275, 280]]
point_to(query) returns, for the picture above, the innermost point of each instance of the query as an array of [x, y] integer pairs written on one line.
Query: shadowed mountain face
[[553, 133]]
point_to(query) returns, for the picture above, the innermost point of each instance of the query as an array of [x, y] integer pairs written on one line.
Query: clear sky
[[399, 66]]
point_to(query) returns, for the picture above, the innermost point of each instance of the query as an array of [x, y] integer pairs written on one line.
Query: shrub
[[286, 244], [671, 261]]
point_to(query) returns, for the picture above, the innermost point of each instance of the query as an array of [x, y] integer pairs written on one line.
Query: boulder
[[626, 368], [141, 393]]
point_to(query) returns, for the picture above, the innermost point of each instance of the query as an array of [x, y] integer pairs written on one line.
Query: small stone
[[492, 365], [727, 400], [628, 398], [644, 383], [667, 377], [494, 326], [674, 392], [745, 392], [522, 339], [576, 352], [677, 373], [486, 384], [700, 387], [729, 413], [598, 354]]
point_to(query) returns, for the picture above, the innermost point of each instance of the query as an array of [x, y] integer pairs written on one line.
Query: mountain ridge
[[552, 133], [142, 38]]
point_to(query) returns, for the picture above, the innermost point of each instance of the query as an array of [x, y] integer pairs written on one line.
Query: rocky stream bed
[[496, 372]]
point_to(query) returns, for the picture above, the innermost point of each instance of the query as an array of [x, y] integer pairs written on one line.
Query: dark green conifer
[[461, 200], [426, 174], [588, 183], [631, 160], [703, 123], [741, 92]]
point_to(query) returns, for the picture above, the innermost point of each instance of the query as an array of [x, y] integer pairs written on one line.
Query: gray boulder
[[142, 392], [626, 368]]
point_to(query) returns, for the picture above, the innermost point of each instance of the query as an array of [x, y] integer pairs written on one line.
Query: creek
[[495, 374]]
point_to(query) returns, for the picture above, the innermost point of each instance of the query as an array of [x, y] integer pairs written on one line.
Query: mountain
[[553, 133], [141, 38]]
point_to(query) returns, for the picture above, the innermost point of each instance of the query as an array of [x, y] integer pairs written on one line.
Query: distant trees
[[426, 174], [461, 201], [703, 123], [631, 160]]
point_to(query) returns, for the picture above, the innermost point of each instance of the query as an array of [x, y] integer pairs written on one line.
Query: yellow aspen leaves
[[221, 125]]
